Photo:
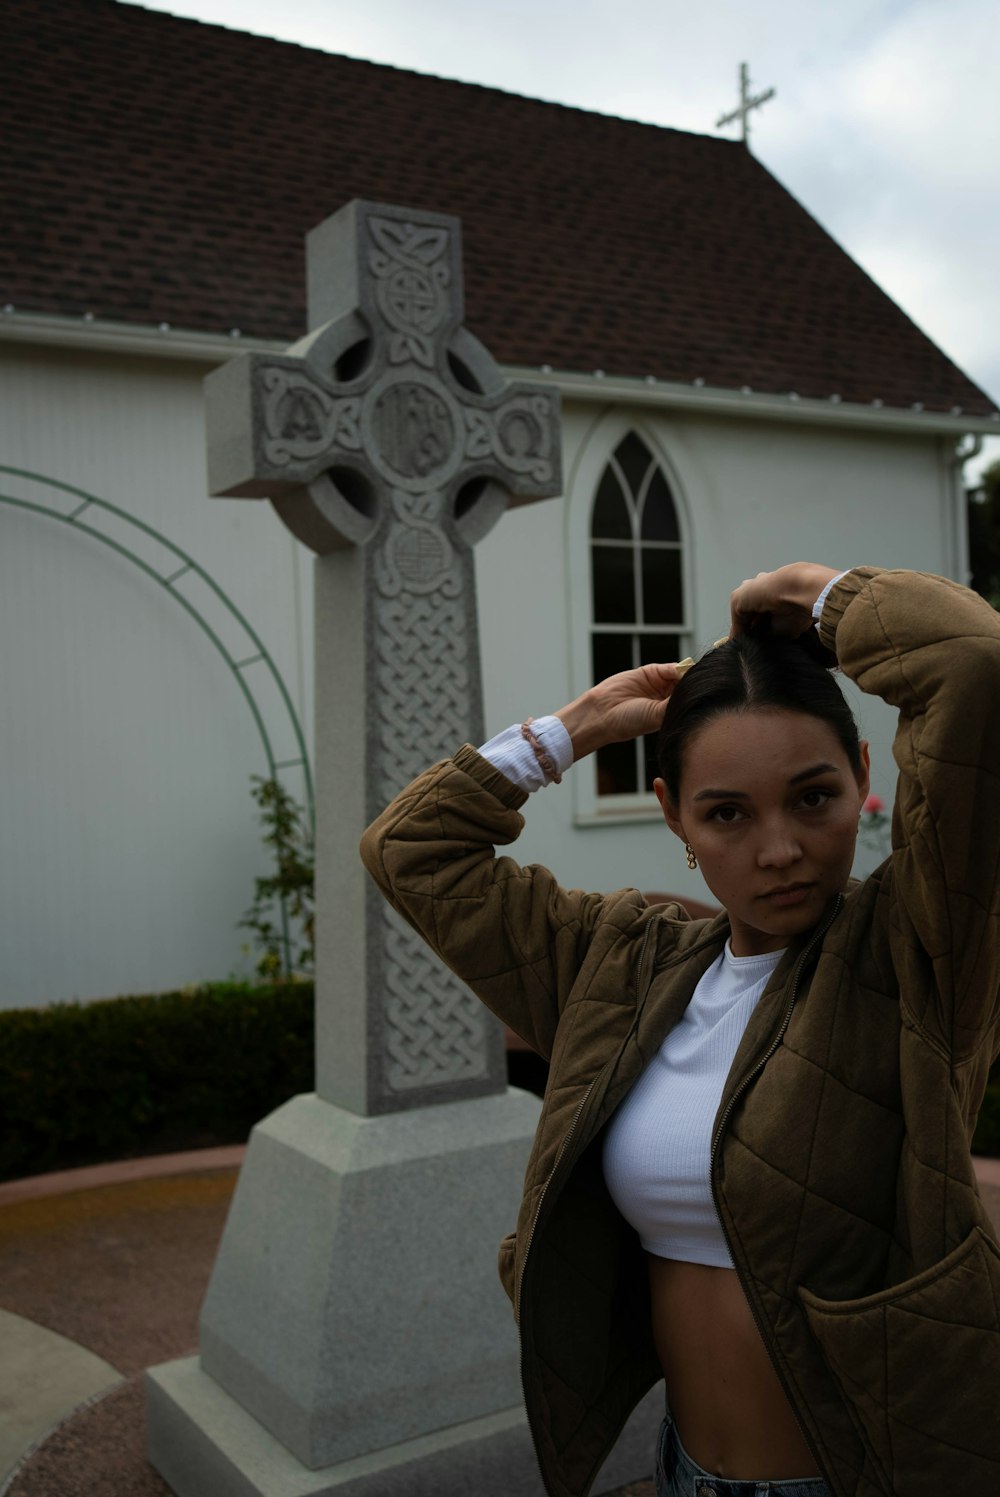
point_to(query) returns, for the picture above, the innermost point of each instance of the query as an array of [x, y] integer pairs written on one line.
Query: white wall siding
[[128, 840]]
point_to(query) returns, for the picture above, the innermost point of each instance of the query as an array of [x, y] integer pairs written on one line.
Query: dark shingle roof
[[158, 169]]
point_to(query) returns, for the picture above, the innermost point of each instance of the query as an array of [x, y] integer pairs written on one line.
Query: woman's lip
[[788, 894]]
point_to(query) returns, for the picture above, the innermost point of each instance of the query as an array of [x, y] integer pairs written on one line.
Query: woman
[[751, 1175]]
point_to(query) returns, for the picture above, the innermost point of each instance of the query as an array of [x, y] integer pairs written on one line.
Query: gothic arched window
[[638, 607]]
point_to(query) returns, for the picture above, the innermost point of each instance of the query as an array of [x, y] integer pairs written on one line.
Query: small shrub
[[282, 916]]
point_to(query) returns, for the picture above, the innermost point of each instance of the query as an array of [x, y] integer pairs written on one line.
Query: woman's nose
[[779, 846]]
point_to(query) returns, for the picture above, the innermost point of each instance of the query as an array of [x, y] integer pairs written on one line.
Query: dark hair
[[750, 673]]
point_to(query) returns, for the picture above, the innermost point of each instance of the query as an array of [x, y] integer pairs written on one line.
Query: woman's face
[[770, 804]]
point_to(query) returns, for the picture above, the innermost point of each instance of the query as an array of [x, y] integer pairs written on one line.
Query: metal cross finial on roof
[[745, 105]]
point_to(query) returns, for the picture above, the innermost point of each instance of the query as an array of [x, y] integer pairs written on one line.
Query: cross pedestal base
[[355, 1338], [202, 1441]]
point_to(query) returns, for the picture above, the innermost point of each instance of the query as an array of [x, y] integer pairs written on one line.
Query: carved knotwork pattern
[[412, 278], [422, 682], [416, 555], [434, 1029], [302, 421], [518, 436], [434, 1026]]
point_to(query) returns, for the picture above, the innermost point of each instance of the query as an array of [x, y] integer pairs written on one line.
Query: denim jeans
[[677, 1475]]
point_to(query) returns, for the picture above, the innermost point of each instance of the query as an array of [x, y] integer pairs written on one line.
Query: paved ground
[[102, 1273], [117, 1272]]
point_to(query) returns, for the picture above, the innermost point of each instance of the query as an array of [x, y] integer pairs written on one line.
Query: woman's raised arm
[[931, 648], [512, 933]]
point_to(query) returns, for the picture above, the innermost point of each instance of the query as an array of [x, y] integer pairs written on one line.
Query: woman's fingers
[[754, 599], [658, 679], [634, 701]]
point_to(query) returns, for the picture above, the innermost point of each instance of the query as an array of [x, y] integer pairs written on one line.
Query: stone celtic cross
[[389, 442]]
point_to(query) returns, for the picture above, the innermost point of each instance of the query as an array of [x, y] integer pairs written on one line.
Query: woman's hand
[[620, 707], [784, 597]]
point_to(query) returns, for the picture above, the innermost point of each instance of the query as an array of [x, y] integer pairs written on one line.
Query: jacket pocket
[[919, 1367]]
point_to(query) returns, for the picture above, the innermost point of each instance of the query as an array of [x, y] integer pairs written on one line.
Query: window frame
[[596, 454]]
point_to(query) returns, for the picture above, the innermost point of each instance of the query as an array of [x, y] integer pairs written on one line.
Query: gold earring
[[692, 860]]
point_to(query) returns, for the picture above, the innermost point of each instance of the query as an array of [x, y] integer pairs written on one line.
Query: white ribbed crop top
[[657, 1146]]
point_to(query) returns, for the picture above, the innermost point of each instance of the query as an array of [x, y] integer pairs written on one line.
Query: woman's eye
[[726, 814], [813, 799]]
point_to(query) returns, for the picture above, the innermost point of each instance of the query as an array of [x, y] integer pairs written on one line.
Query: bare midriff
[[731, 1412]]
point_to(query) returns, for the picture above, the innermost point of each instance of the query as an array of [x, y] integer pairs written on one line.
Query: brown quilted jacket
[[841, 1166]]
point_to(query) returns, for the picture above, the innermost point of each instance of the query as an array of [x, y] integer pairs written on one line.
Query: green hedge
[[85, 1083]]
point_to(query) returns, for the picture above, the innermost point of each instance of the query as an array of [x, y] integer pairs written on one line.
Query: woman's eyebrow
[[807, 774], [803, 774]]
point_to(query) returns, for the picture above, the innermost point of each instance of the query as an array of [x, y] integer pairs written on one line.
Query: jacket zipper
[[755, 1071]]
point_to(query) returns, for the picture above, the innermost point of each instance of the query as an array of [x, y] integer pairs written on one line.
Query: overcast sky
[[886, 122]]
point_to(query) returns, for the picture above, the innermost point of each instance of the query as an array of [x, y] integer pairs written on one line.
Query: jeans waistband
[[677, 1475]]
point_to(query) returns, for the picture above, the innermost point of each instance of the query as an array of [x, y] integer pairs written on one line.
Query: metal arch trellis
[[188, 566]]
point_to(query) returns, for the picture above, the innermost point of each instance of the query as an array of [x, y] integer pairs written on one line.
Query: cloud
[[892, 142], [925, 91]]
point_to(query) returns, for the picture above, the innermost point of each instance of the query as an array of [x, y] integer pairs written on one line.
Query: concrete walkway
[[43, 1377]]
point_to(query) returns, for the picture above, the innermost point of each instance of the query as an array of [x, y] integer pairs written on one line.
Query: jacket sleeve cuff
[[839, 599], [472, 763]]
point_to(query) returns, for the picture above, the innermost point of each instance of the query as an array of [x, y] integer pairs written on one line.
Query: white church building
[[736, 393]]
